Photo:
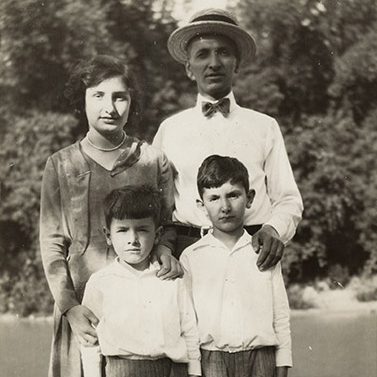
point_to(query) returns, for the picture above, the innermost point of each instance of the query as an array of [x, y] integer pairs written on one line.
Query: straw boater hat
[[211, 21]]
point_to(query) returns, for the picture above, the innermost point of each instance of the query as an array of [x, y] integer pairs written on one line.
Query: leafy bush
[[24, 151], [365, 288], [301, 297], [27, 293], [315, 71]]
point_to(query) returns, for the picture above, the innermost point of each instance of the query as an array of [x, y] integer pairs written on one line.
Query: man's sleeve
[[282, 189]]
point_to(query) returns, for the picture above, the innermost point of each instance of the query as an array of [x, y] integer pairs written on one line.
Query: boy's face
[[133, 240], [226, 205]]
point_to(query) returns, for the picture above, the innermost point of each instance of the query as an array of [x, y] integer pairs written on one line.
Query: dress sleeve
[[54, 242], [166, 185], [285, 197], [281, 319]]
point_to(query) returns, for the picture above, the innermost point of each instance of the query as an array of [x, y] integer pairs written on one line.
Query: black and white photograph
[[188, 188]]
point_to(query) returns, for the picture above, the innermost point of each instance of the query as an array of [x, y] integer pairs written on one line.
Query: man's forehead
[[206, 39]]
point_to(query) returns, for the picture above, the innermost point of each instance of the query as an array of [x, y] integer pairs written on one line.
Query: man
[[212, 46]]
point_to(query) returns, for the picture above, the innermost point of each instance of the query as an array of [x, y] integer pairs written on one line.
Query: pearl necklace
[[107, 149]]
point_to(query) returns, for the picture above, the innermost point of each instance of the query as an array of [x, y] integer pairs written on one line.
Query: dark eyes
[[234, 195], [121, 97], [203, 53], [117, 97], [141, 230], [224, 52], [213, 198]]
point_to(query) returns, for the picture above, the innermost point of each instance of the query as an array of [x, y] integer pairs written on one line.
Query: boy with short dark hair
[[242, 312], [147, 326]]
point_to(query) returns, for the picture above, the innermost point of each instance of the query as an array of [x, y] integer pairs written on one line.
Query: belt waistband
[[196, 232]]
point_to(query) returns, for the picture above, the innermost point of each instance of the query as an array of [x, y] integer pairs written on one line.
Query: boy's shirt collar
[[210, 241], [124, 268]]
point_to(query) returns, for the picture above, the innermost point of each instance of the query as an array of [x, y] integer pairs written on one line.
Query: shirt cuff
[[168, 238], [194, 367], [283, 358], [66, 303], [279, 226]]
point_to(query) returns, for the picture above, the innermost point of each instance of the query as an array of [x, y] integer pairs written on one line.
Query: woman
[[75, 181]]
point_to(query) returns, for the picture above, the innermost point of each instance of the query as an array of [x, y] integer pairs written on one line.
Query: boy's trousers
[[254, 363], [120, 367]]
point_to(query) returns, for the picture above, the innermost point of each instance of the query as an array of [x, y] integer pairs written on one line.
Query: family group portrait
[[188, 188]]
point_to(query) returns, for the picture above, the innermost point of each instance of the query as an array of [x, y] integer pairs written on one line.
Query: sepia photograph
[[188, 188]]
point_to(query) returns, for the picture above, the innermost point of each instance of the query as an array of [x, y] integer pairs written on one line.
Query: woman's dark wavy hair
[[89, 73]]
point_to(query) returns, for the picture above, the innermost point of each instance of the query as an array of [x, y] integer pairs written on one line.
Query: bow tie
[[222, 106]]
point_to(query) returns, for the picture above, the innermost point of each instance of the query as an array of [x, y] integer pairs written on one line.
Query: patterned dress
[[73, 245]]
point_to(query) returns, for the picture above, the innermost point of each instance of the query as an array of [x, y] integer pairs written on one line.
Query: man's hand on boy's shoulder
[[170, 266], [266, 242]]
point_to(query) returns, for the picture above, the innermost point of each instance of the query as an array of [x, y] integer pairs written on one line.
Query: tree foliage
[[315, 71], [40, 42]]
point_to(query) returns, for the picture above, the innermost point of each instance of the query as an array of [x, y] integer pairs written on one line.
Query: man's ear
[[107, 235], [250, 198], [189, 74], [158, 233]]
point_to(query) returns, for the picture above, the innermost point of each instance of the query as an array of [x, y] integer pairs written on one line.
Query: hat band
[[215, 17]]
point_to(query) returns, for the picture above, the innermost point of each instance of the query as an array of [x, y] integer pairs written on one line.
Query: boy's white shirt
[[119, 329], [238, 307], [91, 361]]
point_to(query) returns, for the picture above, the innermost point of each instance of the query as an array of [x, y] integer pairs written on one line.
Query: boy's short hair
[[216, 170], [132, 202]]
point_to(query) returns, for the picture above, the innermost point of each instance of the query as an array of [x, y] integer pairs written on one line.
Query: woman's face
[[107, 106]]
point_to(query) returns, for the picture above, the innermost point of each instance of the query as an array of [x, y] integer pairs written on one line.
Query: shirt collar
[[210, 241], [200, 99], [126, 269]]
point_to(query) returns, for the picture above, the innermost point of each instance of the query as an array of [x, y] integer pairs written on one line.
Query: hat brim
[[179, 39]]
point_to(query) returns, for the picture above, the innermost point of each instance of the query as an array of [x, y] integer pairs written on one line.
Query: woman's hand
[[170, 267], [82, 322]]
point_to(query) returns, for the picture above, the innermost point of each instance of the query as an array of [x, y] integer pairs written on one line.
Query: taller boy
[[212, 46]]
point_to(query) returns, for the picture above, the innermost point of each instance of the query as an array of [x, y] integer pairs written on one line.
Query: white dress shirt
[[237, 306], [141, 317], [188, 137]]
